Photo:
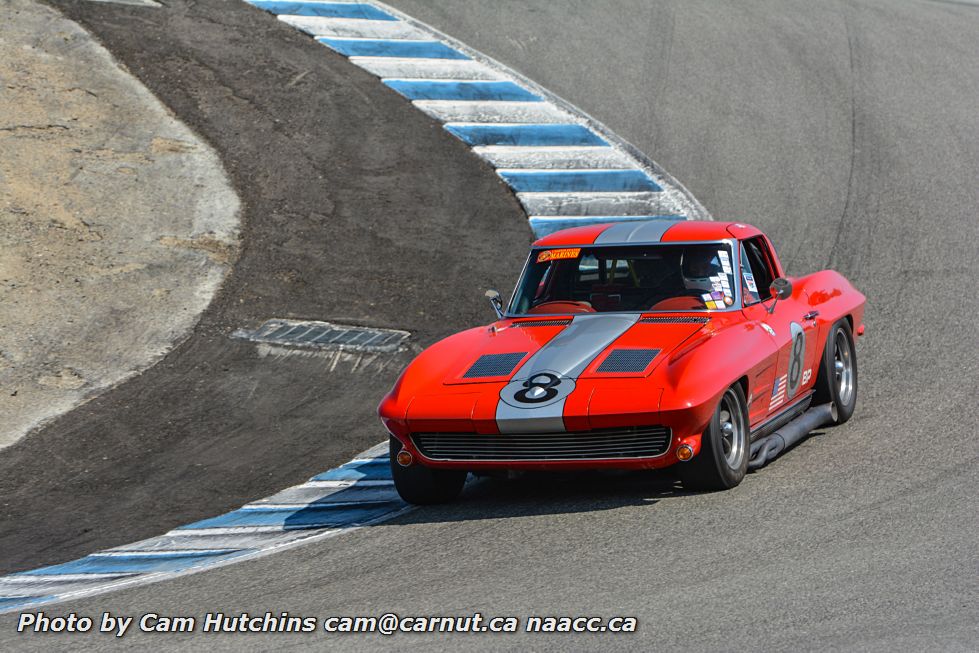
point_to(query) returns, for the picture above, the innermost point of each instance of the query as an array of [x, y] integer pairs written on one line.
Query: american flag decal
[[778, 392]]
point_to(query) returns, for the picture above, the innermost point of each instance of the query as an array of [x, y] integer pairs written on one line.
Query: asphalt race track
[[846, 130]]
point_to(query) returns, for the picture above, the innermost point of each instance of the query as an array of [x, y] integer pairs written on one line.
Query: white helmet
[[697, 267]]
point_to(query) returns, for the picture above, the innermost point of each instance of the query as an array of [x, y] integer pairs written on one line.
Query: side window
[[761, 270], [749, 286]]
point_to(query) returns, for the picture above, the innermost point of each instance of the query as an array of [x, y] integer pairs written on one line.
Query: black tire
[[424, 485], [837, 379], [723, 458]]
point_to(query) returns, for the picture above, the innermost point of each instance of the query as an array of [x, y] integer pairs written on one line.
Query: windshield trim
[[735, 266]]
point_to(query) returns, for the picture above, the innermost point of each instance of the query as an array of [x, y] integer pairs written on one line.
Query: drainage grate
[[324, 335]]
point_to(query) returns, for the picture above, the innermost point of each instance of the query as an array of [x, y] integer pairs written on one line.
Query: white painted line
[[68, 577], [191, 541], [157, 553], [326, 484]]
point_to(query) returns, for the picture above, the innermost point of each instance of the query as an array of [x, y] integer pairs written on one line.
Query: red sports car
[[632, 345]]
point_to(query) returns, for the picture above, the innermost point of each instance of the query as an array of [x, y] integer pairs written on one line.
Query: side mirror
[[495, 302], [781, 288]]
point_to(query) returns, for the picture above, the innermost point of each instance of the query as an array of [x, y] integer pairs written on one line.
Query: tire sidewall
[[830, 390], [730, 477]]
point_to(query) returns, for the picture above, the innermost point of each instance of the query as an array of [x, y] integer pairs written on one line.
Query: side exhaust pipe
[[770, 446]]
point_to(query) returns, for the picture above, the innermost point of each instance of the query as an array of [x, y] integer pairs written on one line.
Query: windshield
[[626, 278]]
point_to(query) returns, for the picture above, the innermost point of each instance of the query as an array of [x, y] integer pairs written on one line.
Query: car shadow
[[531, 494], [505, 496]]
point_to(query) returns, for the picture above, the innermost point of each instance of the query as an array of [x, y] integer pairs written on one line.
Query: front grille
[[674, 320], [494, 365], [628, 360], [635, 442]]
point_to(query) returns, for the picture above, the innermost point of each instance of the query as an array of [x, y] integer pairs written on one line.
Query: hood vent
[[628, 360], [541, 323], [494, 365], [674, 320]]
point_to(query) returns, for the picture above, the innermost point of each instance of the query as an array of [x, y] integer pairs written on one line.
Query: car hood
[[533, 374], [594, 345]]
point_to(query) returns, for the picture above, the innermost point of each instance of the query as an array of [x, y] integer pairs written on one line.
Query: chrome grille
[[604, 444]]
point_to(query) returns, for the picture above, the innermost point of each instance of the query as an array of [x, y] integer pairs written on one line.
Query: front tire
[[724, 447], [424, 485], [837, 380]]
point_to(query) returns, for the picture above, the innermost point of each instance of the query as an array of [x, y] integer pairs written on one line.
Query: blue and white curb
[[566, 168], [357, 494]]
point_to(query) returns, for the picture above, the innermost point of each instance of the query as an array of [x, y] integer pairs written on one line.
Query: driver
[[697, 266]]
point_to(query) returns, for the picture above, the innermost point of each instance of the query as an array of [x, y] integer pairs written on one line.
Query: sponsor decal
[[806, 376], [728, 300], [558, 254], [725, 261], [749, 280]]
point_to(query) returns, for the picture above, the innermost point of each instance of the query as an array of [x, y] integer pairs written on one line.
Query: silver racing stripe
[[533, 401], [650, 231]]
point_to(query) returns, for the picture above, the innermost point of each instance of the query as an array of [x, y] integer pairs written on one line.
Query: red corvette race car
[[632, 345]]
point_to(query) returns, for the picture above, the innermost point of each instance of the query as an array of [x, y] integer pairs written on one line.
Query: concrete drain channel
[[325, 335]]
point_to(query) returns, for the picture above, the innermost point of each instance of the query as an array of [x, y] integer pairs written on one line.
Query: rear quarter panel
[[830, 293]]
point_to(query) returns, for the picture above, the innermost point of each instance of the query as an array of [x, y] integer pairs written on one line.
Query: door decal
[[797, 358]]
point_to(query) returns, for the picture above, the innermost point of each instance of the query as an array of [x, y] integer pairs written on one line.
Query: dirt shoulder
[[117, 222]]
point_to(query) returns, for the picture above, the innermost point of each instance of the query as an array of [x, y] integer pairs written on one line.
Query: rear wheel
[[424, 485], [837, 380], [723, 458]]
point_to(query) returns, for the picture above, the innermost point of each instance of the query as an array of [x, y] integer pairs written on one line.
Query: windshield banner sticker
[[557, 254]]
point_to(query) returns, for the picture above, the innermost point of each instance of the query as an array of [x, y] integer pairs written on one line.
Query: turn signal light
[[404, 458], [684, 452]]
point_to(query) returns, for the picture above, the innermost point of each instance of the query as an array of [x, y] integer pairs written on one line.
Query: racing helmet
[[697, 267]]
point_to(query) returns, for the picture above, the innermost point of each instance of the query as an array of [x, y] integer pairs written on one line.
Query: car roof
[[647, 231]]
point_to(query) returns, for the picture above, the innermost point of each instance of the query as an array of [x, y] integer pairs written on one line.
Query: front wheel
[[723, 458], [424, 485], [837, 380]]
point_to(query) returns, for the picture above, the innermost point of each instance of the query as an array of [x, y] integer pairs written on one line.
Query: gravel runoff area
[[117, 223]]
